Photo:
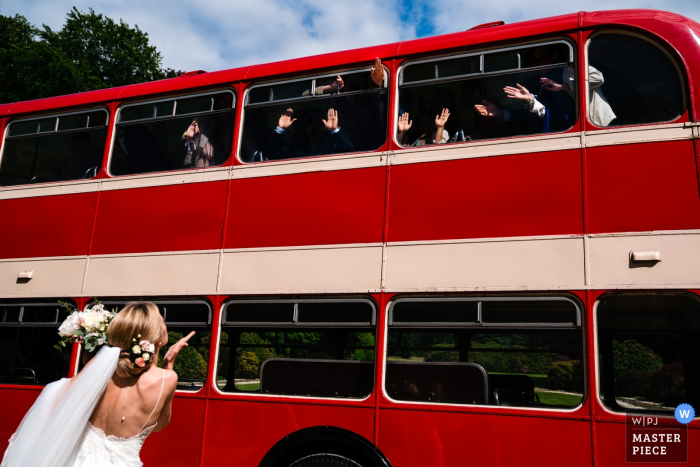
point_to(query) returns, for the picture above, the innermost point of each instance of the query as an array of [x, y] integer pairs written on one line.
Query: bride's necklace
[[124, 403]]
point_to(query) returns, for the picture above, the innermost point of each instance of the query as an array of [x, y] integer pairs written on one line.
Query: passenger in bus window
[[334, 87], [439, 135], [306, 140], [599, 111], [553, 109]]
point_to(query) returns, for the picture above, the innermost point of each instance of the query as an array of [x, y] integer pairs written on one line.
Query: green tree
[[90, 52]]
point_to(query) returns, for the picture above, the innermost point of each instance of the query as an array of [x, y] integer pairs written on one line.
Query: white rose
[[91, 321], [146, 356], [136, 349], [70, 325], [147, 346]]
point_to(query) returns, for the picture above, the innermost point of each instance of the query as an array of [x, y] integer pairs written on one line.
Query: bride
[[102, 416]]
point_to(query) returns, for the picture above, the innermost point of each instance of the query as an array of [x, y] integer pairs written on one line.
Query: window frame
[[222, 323], [8, 125], [175, 97], [573, 57], [682, 72], [295, 318], [596, 346], [584, 360]]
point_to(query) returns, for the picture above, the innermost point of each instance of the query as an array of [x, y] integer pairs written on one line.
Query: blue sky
[[219, 34]]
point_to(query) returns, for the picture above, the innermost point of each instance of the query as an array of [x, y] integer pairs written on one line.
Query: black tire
[[325, 460]]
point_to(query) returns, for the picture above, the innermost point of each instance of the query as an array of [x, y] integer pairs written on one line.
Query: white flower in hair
[[136, 349], [147, 346], [146, 356]]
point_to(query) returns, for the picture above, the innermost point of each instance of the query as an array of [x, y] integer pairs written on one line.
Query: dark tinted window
[[435, 311], [54, 149], [360, 106], [261, 312], [157, 137], [631, 81], [562, 312], [301, 359], [28, 333], [478, 104], [648, 352]]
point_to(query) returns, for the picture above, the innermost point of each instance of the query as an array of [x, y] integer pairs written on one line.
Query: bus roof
[[673, 28]]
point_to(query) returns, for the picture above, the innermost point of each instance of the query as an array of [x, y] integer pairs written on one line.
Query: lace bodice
[[100, 450]]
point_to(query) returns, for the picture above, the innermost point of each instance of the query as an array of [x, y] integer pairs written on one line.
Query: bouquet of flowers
[[87, 327]]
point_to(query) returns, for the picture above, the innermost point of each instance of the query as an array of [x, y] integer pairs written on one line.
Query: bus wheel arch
[[324, 440]]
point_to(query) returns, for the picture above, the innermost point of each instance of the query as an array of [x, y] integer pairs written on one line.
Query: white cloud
[[219, 34]]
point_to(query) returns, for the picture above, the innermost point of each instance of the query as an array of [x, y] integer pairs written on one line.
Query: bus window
[[631, 82], [307, 348], [525, 352], [54, 149], [648, 352], [183, 133], [28, 333], [330, 114], [512, 92], [182, 317]]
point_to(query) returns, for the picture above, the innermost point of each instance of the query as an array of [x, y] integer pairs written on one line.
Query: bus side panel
[[14, 405], [167, 218], [643, 187], [502, 196], [450, 439], [180, 443], [46, 225], [319, 208], [240, 433]]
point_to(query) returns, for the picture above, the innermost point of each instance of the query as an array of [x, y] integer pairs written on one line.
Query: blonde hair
[[135, 318]]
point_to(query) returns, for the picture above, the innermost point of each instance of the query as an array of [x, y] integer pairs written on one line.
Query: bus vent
[[488, 25]]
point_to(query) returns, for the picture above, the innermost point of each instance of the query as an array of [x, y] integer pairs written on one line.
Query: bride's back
[[139, 394]]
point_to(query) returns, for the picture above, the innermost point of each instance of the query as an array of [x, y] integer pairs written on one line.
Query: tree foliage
[[90, 52]]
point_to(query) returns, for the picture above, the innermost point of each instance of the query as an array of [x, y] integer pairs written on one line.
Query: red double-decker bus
[[484, 249]]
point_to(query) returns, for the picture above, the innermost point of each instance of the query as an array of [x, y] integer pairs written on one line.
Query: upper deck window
[[327, 114], [631, 81], [180, 133], [507, 92], [55, 148]]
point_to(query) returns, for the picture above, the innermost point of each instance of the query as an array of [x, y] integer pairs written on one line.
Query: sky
[[219, 34]]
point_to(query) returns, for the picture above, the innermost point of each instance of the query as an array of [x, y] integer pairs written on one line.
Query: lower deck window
[[28, 333], [324, 349], [182, 317], [648, 352], [476, 357]]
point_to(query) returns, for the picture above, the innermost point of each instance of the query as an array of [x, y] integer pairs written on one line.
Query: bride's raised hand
[[174, 350]]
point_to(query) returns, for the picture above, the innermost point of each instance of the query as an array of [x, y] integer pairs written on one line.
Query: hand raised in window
[[192, 131], [286, 120], [520, 93], [441, 120], [489, 110], [551, 85], [332, 123], [404, 123], [377, 72]]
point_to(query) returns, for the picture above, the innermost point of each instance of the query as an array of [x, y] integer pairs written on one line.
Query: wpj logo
[[654, 439]]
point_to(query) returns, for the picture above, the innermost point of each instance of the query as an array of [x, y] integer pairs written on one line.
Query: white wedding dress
[[56, 432]]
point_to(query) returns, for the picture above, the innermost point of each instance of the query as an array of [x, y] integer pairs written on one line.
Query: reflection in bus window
[[490, 95], [315, 353], [344, 113], [649, 352], [639, 81], [54, 149], [535, 360], [182, 317], [183, 133], [28, 333]]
